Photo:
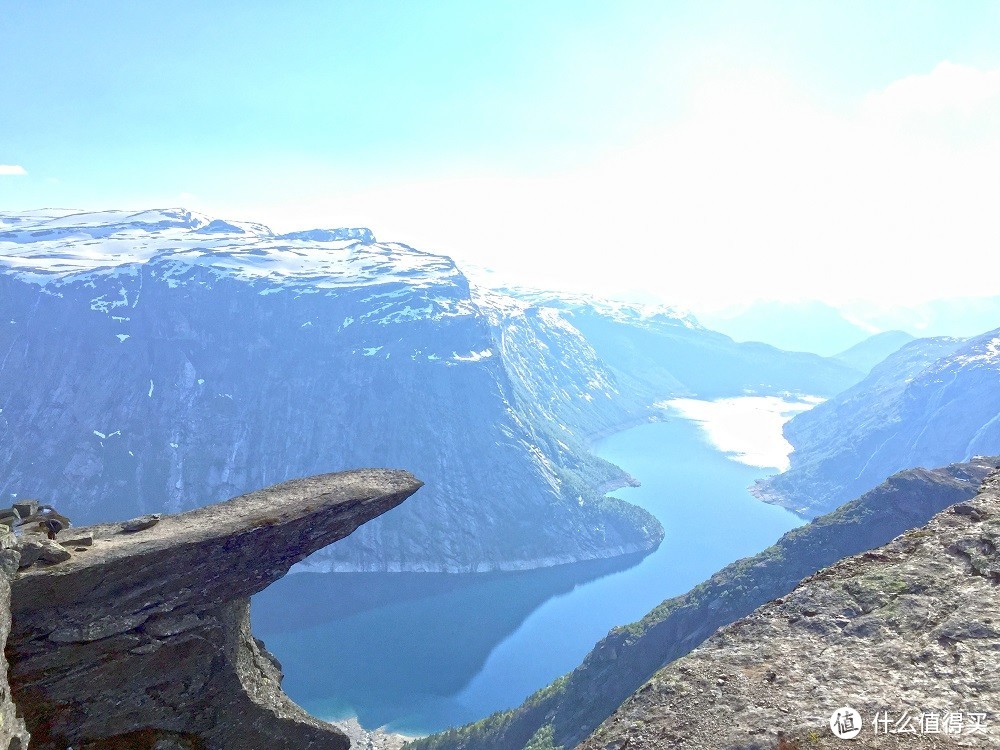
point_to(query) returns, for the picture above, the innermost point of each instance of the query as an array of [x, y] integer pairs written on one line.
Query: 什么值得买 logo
[[845, 723]]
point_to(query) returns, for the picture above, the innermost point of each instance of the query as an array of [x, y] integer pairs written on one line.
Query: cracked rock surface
[[142, 640], [13, 734], [910, 628]]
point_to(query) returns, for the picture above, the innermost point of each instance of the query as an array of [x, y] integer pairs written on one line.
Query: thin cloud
[[755, 191], [12, 170], [949, 89]]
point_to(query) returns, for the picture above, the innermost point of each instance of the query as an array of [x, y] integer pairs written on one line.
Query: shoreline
[[540, 563], [651, 415], [778, 500], [383, 739]]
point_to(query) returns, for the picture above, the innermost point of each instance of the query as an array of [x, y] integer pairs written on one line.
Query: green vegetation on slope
[[567, 711]]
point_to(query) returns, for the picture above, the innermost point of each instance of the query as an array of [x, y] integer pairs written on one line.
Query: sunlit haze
[[702, 156]]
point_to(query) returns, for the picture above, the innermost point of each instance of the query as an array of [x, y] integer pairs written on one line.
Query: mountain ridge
[[866, 354], [932, 402], [902, 635], [349, 354], [149, 366], [565, 712]]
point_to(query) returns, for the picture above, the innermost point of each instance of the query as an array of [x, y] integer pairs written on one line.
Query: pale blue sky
[[381, 113]]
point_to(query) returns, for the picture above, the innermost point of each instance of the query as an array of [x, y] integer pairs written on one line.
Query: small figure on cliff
[[48, 519]]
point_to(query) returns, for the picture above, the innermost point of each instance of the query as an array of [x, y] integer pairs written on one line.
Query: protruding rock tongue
[[147, 632]]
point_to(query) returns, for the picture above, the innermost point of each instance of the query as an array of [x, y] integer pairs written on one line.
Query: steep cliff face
[[900, 634], [141, 639], [544, 355], [157, 361], [932, 402], [564, 713]]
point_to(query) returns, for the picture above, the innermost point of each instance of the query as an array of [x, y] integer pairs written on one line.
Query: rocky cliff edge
[[141, 638], [907, 635]]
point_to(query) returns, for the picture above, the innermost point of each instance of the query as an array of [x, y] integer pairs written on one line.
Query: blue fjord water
[[421, 652]]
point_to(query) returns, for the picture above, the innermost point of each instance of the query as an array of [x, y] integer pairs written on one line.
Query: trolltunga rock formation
[[143, 640]]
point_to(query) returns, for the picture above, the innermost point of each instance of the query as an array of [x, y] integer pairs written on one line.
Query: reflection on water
[[393, 647], [420, 652]]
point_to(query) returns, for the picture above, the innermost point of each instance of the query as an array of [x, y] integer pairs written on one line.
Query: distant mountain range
[[160, 360], [932, 402], [961, 317], [873, 350], [806, 326], [821, 328], [655, 350]]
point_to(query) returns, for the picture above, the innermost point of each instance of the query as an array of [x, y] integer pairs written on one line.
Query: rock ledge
[[143, 640]]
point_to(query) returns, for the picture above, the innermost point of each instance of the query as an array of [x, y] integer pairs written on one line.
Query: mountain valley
[[121, 393]]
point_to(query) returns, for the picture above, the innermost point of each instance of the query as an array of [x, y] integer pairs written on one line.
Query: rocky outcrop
[[13, 734], [564, 713], [142, 639], [907, 635], [370, 739]]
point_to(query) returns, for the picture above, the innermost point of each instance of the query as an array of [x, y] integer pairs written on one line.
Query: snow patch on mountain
[[616, 310], [55, 248], [986, 353]]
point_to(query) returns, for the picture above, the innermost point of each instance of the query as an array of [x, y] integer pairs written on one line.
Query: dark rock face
[[564, 713], [143, 639], [911, 626], [933, 402], [13, 734]]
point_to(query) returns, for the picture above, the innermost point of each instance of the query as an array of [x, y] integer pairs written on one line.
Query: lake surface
[[420, 652]]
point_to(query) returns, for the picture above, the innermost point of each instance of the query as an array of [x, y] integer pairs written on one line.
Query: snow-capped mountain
[[161, 360], [165, 359], [932, 402]]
